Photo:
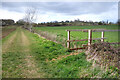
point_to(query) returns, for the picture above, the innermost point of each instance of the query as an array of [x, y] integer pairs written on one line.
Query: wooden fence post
[[68, 43], [89, 38], [102, 36]]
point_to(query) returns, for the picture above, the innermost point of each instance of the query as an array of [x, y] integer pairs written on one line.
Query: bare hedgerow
[[52, 37], [104, 54]]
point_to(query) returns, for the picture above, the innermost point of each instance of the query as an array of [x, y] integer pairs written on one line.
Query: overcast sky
[[61, 11]]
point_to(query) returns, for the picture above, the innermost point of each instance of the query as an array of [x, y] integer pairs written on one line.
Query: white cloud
[[48, 15], [110, 15], [51, 16], [5, 14], [60, 0]]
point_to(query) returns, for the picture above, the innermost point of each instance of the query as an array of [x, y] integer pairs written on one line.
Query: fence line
[[89, 37], [93, 30]]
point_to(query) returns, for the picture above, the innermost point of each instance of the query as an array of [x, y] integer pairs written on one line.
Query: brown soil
[[61, 57], [6, 32]]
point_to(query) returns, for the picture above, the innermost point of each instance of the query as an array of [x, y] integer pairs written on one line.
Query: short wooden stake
[[102, 36], [68, 43], [89, 38]]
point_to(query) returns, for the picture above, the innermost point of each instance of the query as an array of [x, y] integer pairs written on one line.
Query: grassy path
[[30, 63], [16, 47]]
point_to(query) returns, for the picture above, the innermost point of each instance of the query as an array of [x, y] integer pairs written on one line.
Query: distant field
[[60, 34], [6, 30]]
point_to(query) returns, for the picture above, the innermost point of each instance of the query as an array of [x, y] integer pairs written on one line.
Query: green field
[[60, 34]]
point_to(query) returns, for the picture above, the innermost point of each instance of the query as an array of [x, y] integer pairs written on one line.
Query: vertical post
[[102, 36], [68, 43], [89, 38]]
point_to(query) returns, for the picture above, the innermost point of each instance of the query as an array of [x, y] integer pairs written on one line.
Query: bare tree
[[30, 16]]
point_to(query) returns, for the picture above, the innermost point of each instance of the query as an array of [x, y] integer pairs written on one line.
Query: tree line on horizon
[[6, 22], [21, 22], [74, 23]]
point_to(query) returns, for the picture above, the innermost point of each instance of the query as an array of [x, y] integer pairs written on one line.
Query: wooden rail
[[93, 30], [85, 39], [89, 37], [78, 48]]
